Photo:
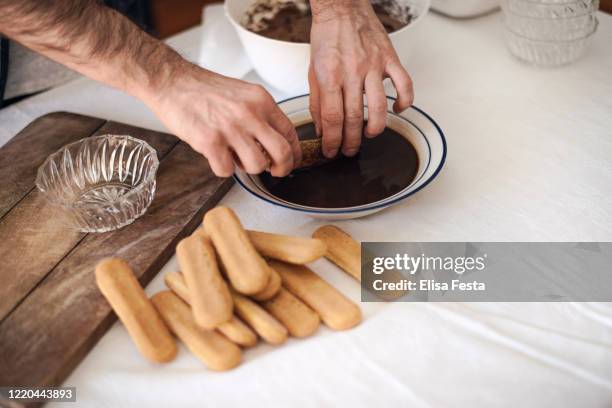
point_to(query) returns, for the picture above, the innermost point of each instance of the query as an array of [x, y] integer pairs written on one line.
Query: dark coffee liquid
[[384, 166]]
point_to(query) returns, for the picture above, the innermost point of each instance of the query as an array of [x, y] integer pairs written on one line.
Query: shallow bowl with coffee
[[421, 133]]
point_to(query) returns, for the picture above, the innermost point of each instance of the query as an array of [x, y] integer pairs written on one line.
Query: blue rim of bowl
[[381, 205], [362, 206]]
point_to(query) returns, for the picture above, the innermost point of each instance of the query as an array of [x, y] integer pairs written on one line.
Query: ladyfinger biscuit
[[246, 269], [238, 332], [296, 250], [299, 319], [214, 350], [271, 289], [336, 311], [312, 153], [120, 287], [209, 295], [342, 249], [176, 282], [235, 329], [270, 329], [200, 232]]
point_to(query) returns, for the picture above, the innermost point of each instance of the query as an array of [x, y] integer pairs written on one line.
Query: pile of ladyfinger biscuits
[[235, 286]]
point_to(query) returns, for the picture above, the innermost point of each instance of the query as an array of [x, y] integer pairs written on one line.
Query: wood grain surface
[[55, 317], [35, 236], [22, 155]]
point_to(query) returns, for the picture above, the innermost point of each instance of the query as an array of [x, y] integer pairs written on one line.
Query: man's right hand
[[227, 119]]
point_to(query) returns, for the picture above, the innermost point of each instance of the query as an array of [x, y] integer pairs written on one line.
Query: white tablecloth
[[530, 159]]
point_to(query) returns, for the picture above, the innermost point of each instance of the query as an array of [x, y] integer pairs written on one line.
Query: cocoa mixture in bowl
[[290, 20]]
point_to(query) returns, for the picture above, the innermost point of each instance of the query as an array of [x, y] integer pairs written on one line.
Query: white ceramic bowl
[[464, 8], [284, 65], [414, 124]]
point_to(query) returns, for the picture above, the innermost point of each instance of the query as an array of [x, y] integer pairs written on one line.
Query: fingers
[[281, 123], [353, 117], [218, 155], [403, 86], [315, 102], [222, 164], [377, 105], [251, 156], [332, 119], [278, 149]]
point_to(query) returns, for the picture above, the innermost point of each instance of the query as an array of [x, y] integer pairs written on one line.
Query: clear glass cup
[[546, 53], [549, 32], [101, 183], [551, 9], [567, 29]]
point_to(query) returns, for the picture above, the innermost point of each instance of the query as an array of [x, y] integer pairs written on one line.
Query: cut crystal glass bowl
[[101, 183]]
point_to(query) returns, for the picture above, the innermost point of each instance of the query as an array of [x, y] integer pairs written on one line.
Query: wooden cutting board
[[51, 312]]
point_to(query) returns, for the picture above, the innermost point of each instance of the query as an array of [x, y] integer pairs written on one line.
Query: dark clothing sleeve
[[4, 52]]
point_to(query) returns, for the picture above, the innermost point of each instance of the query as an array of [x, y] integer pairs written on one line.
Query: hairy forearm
[[92, 39], [323, 10]]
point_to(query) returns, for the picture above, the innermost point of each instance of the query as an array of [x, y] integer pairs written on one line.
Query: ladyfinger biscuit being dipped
[[342, 249], [296, 250], [214, 350], [299, 319], [270, 329], [271, 289], [247, 271], [209, 295], [235, 329], [336, 311], [120, 287]]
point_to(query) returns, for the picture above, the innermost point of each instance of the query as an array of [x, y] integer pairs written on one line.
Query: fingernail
[[350, 152], [371, 135], [330, 153]]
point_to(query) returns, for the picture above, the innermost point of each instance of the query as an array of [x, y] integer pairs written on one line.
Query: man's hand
[[227, 120], [351, 54], [222, 118]]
